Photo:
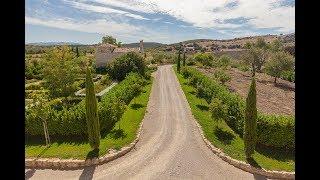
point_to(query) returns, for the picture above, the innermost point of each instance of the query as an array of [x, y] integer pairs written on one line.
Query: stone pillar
[[141, 50]]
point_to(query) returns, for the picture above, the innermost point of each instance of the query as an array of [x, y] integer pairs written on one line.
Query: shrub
[[92, 117], [224, 61], [190, 61], [218, 109], [250, 125], [244, 68], [105, 80], [276, 131], [288, 75], [221, 76], [33, 87], [204, 58], [123, 65], [266, 131]]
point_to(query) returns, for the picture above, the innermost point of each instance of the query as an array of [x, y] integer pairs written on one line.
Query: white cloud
[[102, 9], [213, 13], [95, 26]]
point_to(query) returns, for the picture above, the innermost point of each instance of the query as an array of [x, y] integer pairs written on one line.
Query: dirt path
[[170, 146]]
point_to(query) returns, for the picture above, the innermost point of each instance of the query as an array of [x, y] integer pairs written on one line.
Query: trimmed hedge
[[72, 120], [273, 130]]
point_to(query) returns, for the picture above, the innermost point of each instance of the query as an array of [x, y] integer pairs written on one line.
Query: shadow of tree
[[259, 177], [193, 92], [276, 153], [136, 106], [285, 87], [118, 133], [29, 173], [223, 136], [202, 107], [93, 154], [87, 173], [253, 162]]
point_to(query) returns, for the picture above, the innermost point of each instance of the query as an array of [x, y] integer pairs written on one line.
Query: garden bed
[[78, 147], [223, 137]]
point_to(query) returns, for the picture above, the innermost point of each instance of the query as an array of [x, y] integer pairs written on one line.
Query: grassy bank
[[115, 139], [223, 137]]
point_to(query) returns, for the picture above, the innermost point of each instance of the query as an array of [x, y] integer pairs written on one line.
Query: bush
[[105, 80], [204, 58], [221, 76], [288, 75], [224, 61], [190, 61], [123, 65], [218, 109], [66, 121], [276, 131], [267, 135], [244, 68], [34, 87]]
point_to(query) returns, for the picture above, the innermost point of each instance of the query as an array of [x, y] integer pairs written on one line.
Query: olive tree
[[279, 63]]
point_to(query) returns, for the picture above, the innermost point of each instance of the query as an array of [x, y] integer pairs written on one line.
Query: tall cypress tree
[[184, 59], [77, 51], [250, 127], [92, 112], [178, 61]]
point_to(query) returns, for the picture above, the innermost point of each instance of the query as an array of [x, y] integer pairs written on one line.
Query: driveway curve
[[170, 145]]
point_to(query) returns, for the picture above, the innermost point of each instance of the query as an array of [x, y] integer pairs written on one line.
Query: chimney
[[141, 50]]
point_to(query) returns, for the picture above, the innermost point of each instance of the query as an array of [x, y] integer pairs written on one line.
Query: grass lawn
[[223, 137], [115, 139]]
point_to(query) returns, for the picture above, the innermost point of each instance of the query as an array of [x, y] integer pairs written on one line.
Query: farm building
[[105, 52]]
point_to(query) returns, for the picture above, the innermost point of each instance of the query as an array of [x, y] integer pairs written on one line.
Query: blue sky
[[165, 21]]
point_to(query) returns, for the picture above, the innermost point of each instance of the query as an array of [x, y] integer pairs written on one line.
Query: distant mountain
[[145, 45], [53, 43]]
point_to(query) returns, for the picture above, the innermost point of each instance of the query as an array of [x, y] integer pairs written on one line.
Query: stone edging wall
[[56, 163], [242, 165]]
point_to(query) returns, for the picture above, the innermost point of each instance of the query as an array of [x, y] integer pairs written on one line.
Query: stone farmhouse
[[105, 52]]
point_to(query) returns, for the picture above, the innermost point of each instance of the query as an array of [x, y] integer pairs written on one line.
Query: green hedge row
[[71, 120], [273, 130]]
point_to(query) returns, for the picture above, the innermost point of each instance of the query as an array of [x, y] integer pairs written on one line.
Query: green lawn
[[223, 137], [115, 139]]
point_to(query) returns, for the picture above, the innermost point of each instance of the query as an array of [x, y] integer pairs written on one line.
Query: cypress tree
[[184, 59], [92, 112], [77, 51], [178, 63], [250, 127]]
